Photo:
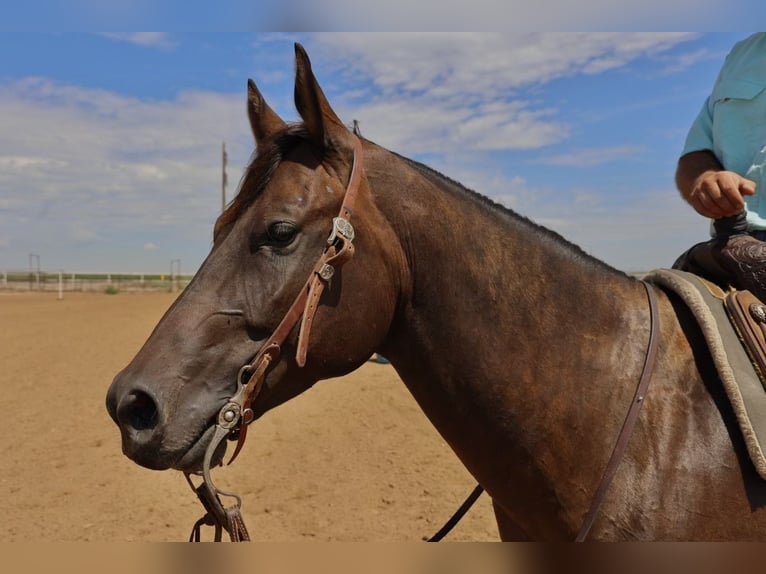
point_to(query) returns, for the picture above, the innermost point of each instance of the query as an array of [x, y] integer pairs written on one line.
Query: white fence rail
[[63, 281]]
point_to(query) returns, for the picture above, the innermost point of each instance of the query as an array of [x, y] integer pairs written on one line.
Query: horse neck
[[474, 264], [511, 340]]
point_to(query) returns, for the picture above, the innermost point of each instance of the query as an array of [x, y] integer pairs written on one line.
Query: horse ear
[[324, 127], [263, 120]]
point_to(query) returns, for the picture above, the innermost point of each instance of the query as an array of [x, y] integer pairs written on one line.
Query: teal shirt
[[732, 122]]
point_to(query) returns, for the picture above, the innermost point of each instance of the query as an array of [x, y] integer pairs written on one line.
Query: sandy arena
[[353, 459]]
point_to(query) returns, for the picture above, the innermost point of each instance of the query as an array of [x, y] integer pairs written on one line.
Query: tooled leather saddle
[[736, 262]]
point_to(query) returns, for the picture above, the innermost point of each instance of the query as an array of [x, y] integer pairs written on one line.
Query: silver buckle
[[341, 228], [326, 271]]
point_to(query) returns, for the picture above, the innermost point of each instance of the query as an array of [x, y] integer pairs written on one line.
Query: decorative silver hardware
[[758, 312], [341, 228], [245, 370], [229, 415], [326, 272]]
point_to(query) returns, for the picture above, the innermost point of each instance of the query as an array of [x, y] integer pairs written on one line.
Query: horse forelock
[[263, 163]]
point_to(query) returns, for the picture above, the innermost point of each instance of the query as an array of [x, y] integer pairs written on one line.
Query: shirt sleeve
[[700, 136]]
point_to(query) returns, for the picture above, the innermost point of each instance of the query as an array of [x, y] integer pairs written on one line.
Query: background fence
[[91, 282]]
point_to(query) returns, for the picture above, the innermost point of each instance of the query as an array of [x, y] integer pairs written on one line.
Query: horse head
[[265, 246]]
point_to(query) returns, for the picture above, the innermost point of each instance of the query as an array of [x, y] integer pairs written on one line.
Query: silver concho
[[758, 312], [341, 227], [229, 415], [326, 272]]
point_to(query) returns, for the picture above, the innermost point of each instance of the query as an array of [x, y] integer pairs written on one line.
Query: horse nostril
[[138, 410]]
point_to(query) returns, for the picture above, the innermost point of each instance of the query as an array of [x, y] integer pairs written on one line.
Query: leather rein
[[235, 416], [630, 420], [622, 439]]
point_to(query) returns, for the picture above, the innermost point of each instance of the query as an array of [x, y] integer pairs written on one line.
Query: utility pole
[[223, 177], [32, 273], [175, 274]]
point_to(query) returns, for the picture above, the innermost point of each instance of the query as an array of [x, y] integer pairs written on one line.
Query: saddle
[[733, 323], [748, 315]]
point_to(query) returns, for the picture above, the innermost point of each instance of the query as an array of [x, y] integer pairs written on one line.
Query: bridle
[[235, 416]]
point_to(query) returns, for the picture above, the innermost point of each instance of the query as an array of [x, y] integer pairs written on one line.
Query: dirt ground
[[353, 459]]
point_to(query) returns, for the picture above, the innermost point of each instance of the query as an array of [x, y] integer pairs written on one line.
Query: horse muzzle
[[137, 412]]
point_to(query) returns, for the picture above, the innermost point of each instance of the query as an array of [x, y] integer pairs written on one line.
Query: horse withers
[[522, 350]]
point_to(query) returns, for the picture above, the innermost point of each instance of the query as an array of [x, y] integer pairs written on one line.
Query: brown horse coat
[[522, 350]]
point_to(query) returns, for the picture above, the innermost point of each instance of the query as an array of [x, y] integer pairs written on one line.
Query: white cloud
[[592, 156], [145, 39], [16, 162], [486, 65], [418, 126], [513, 15], [99, 146], [106, 169], [96, 168], [437, 92], [82, 234]]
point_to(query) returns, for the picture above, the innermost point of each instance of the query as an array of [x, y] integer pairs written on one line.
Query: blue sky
[[110, 143]]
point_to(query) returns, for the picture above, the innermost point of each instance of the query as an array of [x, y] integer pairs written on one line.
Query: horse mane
[[269, 154], [539, 231]]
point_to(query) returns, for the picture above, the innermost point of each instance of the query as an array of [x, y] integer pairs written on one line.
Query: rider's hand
[[718, 194]]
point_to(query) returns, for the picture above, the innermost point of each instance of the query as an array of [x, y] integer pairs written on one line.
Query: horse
[[521, 349]]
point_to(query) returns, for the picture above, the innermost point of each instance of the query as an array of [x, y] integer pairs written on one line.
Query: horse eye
[[282, 233]]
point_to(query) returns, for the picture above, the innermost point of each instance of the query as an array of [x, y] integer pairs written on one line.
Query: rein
[[235, 416], [622, 439], [630, 420]]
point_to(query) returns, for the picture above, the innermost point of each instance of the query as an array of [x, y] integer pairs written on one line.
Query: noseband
[[235, 416]]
